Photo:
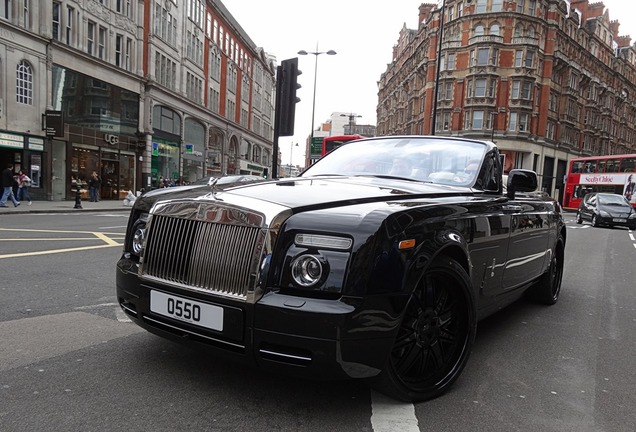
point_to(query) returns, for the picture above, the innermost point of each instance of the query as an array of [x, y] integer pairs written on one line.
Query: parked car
[[362, 267], [606, 209]]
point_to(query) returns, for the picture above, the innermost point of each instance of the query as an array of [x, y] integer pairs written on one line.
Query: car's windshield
[[436, 160], [617, 200]]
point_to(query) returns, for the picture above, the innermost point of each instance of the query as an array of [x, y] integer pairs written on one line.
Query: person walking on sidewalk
[[7, 186], [24, 182]]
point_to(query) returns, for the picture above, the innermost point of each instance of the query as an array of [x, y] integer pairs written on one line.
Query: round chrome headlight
[[306, 270], [138, 239]]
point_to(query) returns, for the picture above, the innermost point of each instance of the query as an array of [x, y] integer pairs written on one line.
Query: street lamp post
[[352, 120], [291, 159], [313, 106]]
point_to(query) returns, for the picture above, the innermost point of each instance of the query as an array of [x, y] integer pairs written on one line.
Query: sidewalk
[[64, 207]]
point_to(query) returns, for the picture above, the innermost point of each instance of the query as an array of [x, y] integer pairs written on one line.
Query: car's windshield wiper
[[384, 176]]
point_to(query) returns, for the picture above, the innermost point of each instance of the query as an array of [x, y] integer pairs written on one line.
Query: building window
[[5, 9], [90, 38], [521, 89], [69, 25], [496, 5], [194, 86], [26, 13], [124, 7], [165, 25], [481, 6], [24, 83], [532, 7], [450, 64], [230, 110], [521, 4], [165, 71], [129, 44], [196, 11], [460, 9], [519, 122], [215, 100], [529, 59], [479, 30], [215, 67], [119, 42], [56, 21], [494, 30], [484, 57], [101, 47], [474, 120], [194, 48]]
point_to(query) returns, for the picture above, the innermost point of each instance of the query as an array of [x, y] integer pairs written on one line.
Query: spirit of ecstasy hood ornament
[[212, 183]]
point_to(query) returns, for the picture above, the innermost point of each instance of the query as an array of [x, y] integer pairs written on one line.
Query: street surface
[[72, 361]]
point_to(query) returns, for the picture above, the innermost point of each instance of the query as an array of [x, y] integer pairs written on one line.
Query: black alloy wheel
[[548, 287], [435, 338]]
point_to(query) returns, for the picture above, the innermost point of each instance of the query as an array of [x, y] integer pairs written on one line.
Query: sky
[[362, 33]]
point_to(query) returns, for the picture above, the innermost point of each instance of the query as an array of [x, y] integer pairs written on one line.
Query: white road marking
[[121, 315], [389, 415], [95, 306]]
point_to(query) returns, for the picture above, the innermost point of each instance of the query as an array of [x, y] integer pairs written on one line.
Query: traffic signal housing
[[286, 99]]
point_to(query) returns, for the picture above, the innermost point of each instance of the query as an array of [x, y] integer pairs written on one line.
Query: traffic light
[[265, 172], [286, 100]]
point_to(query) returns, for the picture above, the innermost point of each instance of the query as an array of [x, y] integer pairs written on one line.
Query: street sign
[[316, 147]]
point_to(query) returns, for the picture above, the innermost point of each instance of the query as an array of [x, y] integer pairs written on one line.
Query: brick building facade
[[548, 80]]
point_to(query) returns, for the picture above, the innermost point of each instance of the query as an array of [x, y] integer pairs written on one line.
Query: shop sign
[[36, 144], [11, 140], [155, 149], [254, 167], [111, 139], [54, 123], [189, 149]]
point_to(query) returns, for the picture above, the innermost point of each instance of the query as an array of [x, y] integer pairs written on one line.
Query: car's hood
[[308, 193], [336, 191]]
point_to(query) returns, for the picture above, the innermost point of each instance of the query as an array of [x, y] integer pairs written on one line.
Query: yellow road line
[[47, 239], [106, 239], [54, 251]]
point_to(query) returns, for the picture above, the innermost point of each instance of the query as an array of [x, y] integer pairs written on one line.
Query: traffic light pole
[[285, 106]]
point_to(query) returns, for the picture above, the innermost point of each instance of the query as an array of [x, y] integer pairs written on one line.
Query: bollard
[[78, 197]]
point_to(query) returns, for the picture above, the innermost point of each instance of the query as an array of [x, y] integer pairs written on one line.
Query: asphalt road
[[71, 361]]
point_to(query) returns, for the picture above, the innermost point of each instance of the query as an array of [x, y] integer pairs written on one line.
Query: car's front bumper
[[314, 338]]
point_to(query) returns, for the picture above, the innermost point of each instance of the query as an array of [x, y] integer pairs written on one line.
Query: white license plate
[[619, 220], [187, 310]]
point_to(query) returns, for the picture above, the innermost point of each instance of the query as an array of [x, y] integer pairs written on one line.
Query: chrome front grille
[[195, 252]]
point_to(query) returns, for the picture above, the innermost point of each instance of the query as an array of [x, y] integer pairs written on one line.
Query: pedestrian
[[24, 182], [93, 187], [7, 186]]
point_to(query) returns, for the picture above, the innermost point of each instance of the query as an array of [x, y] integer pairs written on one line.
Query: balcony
[[524, 40], [451, 44], [485, 39]]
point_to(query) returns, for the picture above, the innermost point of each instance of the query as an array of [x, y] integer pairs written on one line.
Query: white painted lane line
[[631, 236], [389, 415]]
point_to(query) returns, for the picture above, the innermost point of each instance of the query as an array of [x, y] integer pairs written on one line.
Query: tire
[[579, 219], [594, 221], [435, 336], [548, 287]]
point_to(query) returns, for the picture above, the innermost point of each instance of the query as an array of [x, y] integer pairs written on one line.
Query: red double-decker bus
[[331, 142], [613, 174]]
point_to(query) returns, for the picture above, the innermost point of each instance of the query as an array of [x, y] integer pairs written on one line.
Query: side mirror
[[520, 180]]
